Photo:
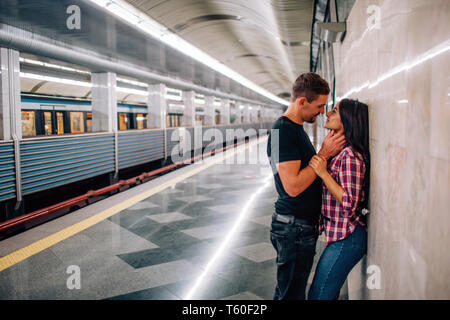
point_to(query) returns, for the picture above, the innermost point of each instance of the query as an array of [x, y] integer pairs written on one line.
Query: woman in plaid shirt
[[344, 196]]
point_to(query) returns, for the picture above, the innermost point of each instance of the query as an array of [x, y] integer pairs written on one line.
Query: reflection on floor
[[158, 248]]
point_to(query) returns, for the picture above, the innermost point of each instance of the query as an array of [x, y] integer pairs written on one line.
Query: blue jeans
[[336, 262], [295, 244]]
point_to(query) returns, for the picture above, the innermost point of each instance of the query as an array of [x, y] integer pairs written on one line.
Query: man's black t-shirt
[[293, 144]]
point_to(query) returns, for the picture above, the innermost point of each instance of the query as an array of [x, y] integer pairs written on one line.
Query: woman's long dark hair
[[355, 119]]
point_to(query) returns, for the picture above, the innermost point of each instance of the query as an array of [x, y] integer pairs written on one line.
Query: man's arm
[[294, 180]]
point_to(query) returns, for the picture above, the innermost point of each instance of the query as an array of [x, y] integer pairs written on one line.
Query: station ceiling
[[267, 41]]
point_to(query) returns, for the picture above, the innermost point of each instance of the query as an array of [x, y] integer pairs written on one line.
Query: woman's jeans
[[295, 243], [335, 264]]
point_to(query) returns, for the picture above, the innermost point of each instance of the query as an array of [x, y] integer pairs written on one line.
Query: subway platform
[[200, 232]]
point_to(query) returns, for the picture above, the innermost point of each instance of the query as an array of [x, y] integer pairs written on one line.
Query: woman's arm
[[351, 176], [320, 166], [336, 190]]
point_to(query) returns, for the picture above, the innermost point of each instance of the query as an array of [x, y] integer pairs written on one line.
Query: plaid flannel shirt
[[339, 220]]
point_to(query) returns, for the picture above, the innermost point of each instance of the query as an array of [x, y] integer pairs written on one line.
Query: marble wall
[[395, 57]]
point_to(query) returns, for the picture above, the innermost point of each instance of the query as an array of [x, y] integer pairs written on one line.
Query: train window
[[173, 120], [217, 118], [140, 120], [77, 122], [123, 121], [200, 118], [60, 122], [28, 123], [88, 121], [146, 121], [47, 123]]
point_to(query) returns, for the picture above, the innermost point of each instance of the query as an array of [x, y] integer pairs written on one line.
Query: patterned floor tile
[[168, 217], [211, 186], [197, 198], [230, 208], [246, 295], [143, 205], [158, 293], [258, 252], [158, 248], [264, 220]]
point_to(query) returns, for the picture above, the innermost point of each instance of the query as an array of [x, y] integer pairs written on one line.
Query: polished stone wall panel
[[409, 223]]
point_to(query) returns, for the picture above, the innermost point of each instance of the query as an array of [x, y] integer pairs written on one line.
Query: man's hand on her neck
[[332, 145]]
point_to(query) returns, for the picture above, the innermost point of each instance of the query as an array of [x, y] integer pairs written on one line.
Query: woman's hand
[[319, 165]]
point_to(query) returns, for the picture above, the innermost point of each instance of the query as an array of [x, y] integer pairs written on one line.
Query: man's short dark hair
[[309, 85]]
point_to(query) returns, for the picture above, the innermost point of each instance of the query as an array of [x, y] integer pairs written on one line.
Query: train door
[[59, 122], [48, 123], [140, 121], [53, 122], [174, 120]]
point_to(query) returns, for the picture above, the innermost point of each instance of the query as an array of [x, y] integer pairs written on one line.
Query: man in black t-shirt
[[294, 224]]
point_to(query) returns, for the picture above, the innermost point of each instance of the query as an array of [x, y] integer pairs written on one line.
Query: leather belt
[[289, 218]]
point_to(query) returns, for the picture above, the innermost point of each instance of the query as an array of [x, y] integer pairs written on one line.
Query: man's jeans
[[295, 243], [335, 264]]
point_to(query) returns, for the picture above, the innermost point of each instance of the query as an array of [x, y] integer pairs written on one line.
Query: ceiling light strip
[[77, 83], [140, 20]]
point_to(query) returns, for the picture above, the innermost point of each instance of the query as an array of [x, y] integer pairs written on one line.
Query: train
[[59, 148], [44, 116]]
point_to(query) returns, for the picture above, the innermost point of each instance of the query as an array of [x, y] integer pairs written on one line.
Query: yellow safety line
[[40, 245]]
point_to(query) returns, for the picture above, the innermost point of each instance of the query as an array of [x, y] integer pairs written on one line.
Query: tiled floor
[[159, 247]]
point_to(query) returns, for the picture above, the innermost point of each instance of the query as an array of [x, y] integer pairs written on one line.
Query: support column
[[277, 114], [104, 102], [258, 114], [210, 119], [255, 114], [246, 113], [11, 124], [189, 108], [10, 115], [238, 114], [225, 112], [266, 113], [274, 114], [157, 106]]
